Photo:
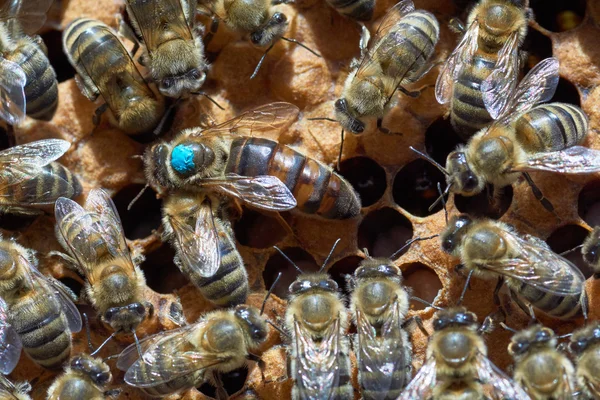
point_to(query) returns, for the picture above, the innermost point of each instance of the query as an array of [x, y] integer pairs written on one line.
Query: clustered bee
[[206, 177]]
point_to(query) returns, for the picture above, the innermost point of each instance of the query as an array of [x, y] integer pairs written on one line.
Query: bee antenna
[[301, 45], [431, 160], [423, 301], [137, 197], [103, 343], [411, 241], [322, 119], [329, 255], [441, 198], [209, 98], [262, 309], [262, 59], [87, 331], [508, 328], [112, 357], [462, 295], [288, 259], [137, 343], [339, 160]]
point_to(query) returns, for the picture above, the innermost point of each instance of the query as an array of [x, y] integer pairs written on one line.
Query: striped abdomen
[[360, 10], [559, 306], [551, 127], [153, 373], [77, 229], [317, 189], [467, 110], [417, 33], [42, 327]]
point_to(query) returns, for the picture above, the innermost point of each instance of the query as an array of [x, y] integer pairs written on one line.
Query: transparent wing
[[539, 267], [502, 387], [31, 14], [264, 192], [10, 343], [461, 56], [384, 356], [27, 160], [198, 244], [572, 160], [317, 368], [537, 86], [159, 20], [12, 92], [502, 81], [99, 201], [421, 386], [273, 117]]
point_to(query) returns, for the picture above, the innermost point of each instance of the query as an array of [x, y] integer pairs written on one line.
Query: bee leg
[[414, 94], [259, 361], [221, 392], [456, 26], [128, 33], [69, 261], [497, 300], [539, 195], [98, 114], [385, 130], [527, 308], [418, 321], [487, 326], [212, 30], [22, 211], [112, 393], [584, 304]]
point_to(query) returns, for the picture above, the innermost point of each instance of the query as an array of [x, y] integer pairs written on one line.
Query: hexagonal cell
[[366, 177], [567, 238], [162, 275], [277, 263], [415, 187], [566, 92], [423, 282], [485, 204], [258, 230], [233, 382], [72, 284], [57, 57], [537, 46], [588, 205], [384, 231], [13, 222], [145, 214], [339, 270], [558, 15], [440, 140]]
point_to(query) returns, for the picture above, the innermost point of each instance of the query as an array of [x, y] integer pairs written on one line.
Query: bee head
[[305, 283], [460, 175], [253, 324], [454, 317], [346, 119], [376, 268], [452, 236], [182, 85], [583, 338], [156, 167], [271, 31], [591, 249], [535, 336], [95, 368], [125, 318]]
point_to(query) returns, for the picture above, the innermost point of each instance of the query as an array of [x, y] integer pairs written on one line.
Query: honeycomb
[[396, 186]]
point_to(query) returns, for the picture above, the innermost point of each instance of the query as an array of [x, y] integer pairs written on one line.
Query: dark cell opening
[[342, 268], [415, 188], [144, 215], [588, 205], [258, 230], [14, 222], [538, 47], [367, 178], [7, 139], [72, 284], [58, 59], [558, 15], [485, 204], [384, 231], [424, 282], [567, 238], [233, 382], [566, 92], [440, 140], [277, 263], [162, 275]]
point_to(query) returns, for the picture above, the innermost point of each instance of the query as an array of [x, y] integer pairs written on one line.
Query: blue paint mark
[[182, 159]]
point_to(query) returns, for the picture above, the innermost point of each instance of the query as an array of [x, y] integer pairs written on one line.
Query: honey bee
[[198, 228], [28, 81], [591, 251], [544, 372], [491, 249], [585, 345], [14, 391], [174, 52], [523, 138], [485, 59], [94, 240], [228, 160], [183, 358], [359, 10], [10, 343], [378, 305], [85, 378], [40, 308], [399, 54], [105, 68], [456, 364], [31, 180]]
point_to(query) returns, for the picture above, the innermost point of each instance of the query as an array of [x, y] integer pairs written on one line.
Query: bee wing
[[572, 160], [503, 78], [384, 355], [264, 192], [539, 267], [317, 366], [10, 343], [502, 387], [272, 117], [198, 245], [31, 15], [158, 18], [12, 93], [421, 386], [461, 56], [537, 86]]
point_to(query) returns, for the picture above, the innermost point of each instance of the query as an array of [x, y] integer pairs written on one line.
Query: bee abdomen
[[52, 182], [344, 391], [369, 378], [317, 189], [93, 246], [468, 113], [360, 10], [563, 307], [551, 127]]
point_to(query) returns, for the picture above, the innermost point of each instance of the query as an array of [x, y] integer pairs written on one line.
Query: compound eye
[[110, 313], [279, 18], [138, 309], [340, 104], [470, 183], [167, 83], [448, 245], [256, 37], [358, 127], [76, 363]]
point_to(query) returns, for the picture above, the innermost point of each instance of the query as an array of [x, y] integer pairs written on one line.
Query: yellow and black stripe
[[556, 305], [52, 182]]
